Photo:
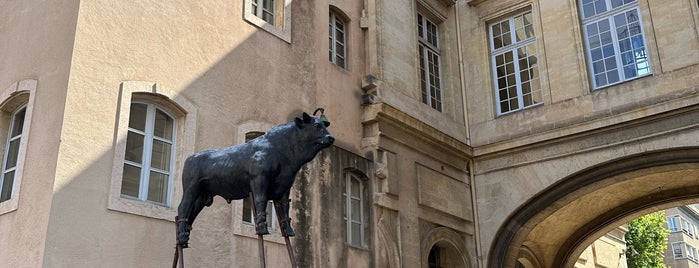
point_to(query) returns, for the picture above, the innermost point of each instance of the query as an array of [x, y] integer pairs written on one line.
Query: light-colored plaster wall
[[36, 44], [204, 52]]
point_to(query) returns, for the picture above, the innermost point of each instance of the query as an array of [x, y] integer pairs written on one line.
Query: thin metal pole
[[179, 255], [289, 249], [260, 240]]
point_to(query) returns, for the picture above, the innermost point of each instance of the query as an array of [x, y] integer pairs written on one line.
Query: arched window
[[150, 144], [354, 209], [9, 164]]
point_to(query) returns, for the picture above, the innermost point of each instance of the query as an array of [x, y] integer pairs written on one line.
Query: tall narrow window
[[354, 211], [515, 64], [616, 46], [336, 40], [430, 62], [148, 164], [9, 166]]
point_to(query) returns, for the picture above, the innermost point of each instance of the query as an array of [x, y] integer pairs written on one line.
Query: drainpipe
[[477, 229], [461, 70]]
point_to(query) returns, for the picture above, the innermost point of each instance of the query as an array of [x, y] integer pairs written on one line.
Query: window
[[9, 165], [687, 227], [249, 216], [337, 37], [514, 62], [691, 253], [430, 62], [616, 46], [155, 132], [148, 164], [673, 223], [354, 210], [273, 16], [677, 250], [264, 9], [15, 124]]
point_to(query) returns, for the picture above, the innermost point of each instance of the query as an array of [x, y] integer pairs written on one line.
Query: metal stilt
[[260, 239], [289, 249]]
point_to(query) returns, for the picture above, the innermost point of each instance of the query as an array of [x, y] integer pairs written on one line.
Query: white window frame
[[608, 15], [146, 155], [185, 113], [281, 27], [347, 196], [691, 253], [678, 250], [673, 223], [428, 47], [334, 54], [536, 89], [8, 142], [19, 94], [272, 221]]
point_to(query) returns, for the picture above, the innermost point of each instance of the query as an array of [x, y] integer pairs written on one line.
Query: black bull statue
[[264, 167]]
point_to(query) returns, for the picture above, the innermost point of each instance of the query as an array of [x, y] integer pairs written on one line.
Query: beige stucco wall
[[27, 29]]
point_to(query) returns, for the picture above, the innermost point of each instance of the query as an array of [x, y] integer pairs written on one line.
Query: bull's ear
[[299, 122], [307, 118], [326, 123]]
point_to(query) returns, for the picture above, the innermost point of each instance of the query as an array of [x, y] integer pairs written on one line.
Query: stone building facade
[[470, 133], [683, 240]]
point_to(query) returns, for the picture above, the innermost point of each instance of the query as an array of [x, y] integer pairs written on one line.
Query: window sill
[[8, 206], [141, 208]]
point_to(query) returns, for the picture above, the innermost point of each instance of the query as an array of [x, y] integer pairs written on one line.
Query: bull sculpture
[[264, 167]]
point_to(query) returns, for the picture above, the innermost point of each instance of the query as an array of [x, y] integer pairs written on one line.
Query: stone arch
[[648, 181], [448, 239]]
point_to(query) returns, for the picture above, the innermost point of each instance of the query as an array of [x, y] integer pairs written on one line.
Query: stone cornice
[[385, 114]]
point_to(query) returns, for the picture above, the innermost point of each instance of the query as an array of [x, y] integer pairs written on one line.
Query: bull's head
[[315, 129]]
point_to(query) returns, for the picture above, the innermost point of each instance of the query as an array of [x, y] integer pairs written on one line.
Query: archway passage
[[556, 225], [442, 248]]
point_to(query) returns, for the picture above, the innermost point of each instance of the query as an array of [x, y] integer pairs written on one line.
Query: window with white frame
[[354, 209], [337, 39], [249, 216], [515, 66], [150, 143], [616, 45], [687, 227], [430, 62], [12, 151], [273, 16], [678, 250], [264, 9], [691, 253], [673, 223]]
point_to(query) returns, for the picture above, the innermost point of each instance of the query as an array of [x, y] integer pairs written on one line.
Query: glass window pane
[[137, 116], [18, 123], [356, 234], [356, 210], [12, 154], [157, 187], [134, 147], [131, 180], [247, 210], [6, 190], [163, 125], [354, 187], [160, 157]]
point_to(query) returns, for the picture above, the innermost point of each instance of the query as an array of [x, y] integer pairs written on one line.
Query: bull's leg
[[184, 214], [260, 203], [282, 207]]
